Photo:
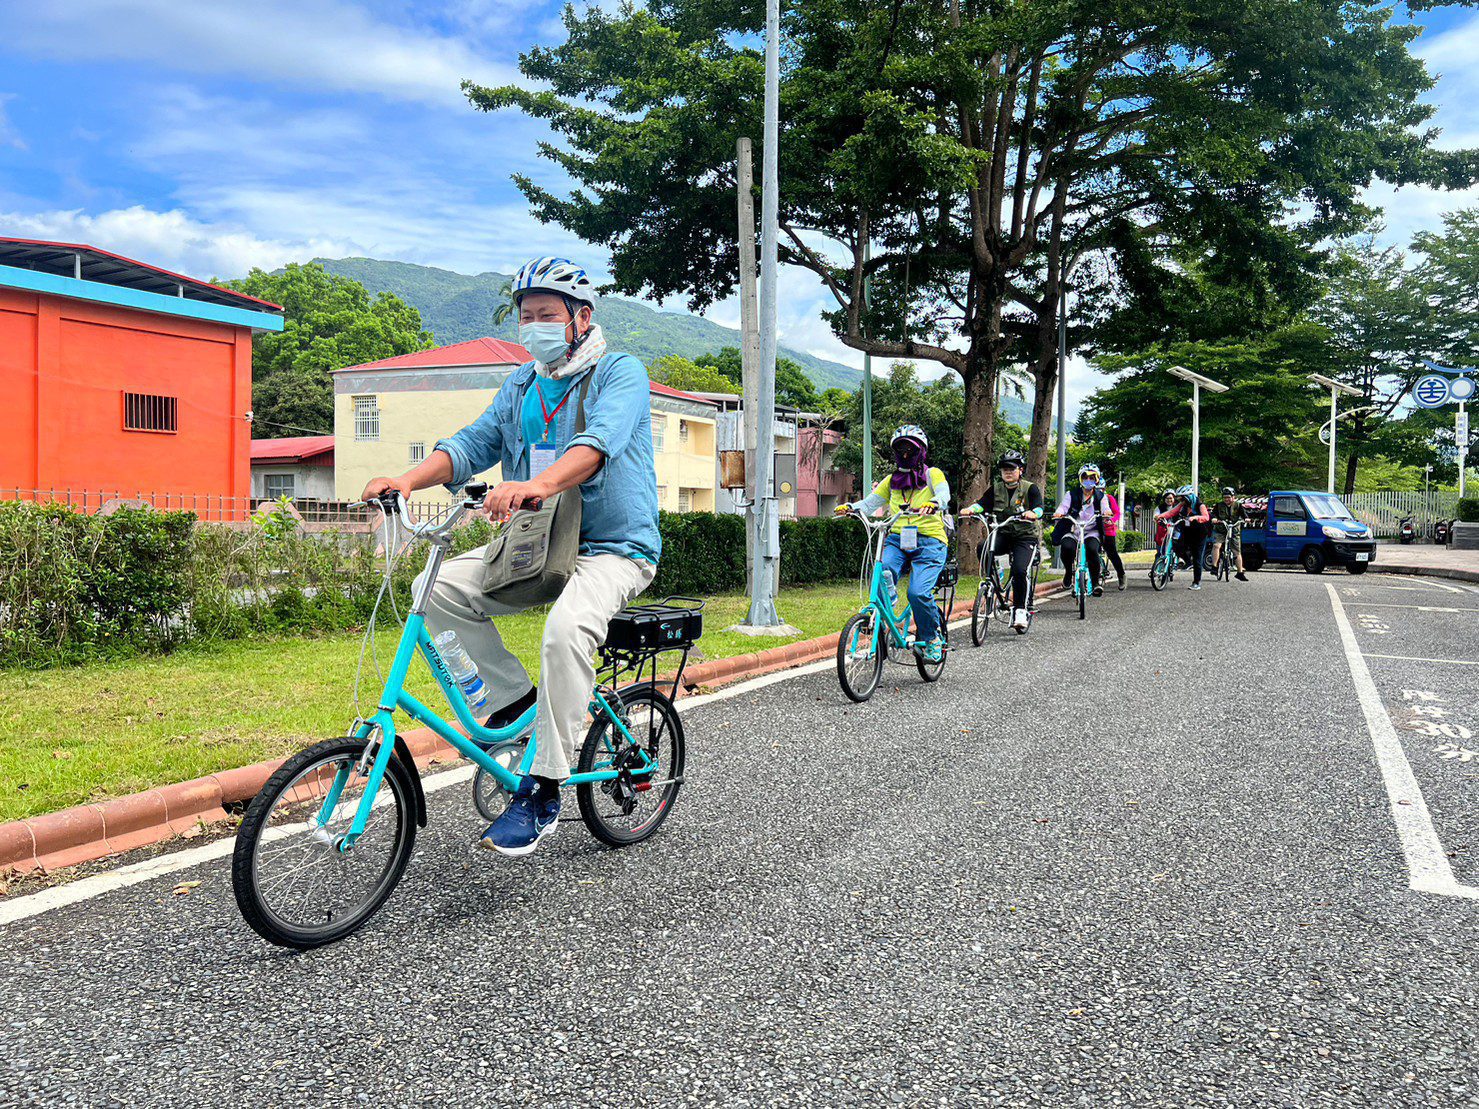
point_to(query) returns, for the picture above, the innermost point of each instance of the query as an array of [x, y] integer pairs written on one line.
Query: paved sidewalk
[[1426, 558]]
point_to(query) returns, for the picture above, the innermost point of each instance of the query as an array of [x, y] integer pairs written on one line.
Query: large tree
[[962, 156], [329, 322]]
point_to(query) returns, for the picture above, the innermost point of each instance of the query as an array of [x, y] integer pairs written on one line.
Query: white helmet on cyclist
[[554, 275], [1089, 469], [911, 431]]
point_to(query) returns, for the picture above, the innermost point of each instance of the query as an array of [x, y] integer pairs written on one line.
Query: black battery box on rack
[[673, 624]]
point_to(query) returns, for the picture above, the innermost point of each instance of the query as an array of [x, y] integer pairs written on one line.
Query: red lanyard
[[549, 417]]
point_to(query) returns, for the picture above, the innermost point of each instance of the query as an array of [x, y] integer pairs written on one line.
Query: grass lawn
[[86, 733]]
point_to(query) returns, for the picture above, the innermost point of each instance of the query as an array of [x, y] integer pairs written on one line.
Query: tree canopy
[[329, 322], [964, 158]]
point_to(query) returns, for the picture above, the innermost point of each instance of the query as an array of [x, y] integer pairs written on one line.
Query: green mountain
[[456, 307]]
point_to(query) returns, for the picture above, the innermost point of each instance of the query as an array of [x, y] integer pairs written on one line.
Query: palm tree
[[505, 307]]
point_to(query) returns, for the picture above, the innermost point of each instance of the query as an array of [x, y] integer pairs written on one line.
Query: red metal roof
[[663, 391], [298, 448], [474, 352], [113, 269]]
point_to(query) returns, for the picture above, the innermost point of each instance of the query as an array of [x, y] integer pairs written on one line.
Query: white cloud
[[321, 44], [9, 136], [173, 240]]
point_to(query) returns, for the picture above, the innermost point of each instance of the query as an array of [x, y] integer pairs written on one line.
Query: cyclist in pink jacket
[[1111, 529]]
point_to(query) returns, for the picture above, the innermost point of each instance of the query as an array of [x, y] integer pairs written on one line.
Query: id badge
[[541, 457], [909, 538]]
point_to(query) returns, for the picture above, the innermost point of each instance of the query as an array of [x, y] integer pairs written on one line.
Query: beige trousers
[[601, 585]]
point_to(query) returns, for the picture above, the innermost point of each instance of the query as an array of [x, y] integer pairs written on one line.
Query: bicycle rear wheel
[[861, 654], [632, 806], [931, 671], [294, 882]]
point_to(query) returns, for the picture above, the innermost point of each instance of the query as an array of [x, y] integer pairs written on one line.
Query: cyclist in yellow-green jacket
[[918, 541]]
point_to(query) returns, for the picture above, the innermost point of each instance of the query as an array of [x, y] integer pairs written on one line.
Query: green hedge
[[79, 587], [1129, 541], [1468, 510]]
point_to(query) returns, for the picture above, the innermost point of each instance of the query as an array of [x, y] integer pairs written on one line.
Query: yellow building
[[389, 414]]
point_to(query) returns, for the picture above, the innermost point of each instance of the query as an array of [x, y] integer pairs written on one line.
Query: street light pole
[[1336, 388], [867, 392], [1198, 383], [1062, 391]]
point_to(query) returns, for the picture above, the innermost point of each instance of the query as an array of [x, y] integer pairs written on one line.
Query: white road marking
[[84, 889], [1427, 864], [1419, 608], [1412, 658]]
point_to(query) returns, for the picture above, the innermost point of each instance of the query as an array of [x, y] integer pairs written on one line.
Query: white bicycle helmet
[[910, 431], [554, 275]]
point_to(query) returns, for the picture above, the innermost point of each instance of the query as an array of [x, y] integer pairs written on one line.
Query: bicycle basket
[[673, 624]]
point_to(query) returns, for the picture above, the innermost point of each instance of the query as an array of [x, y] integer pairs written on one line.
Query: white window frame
[[367, 419], [659, 434], [685, 500], [418, 453]]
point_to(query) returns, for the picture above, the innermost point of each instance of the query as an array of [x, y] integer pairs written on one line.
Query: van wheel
[[1357, 568], [1253, 559], [1312, 560]]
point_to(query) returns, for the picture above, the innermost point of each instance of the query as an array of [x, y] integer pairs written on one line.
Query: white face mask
[[546, 341]]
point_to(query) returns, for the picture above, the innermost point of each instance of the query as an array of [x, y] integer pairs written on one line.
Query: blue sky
[[209, 137]]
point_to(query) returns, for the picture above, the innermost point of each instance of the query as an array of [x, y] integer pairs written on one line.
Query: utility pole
[[763, 618], [749, 347], [867, 391], [1062, 391]]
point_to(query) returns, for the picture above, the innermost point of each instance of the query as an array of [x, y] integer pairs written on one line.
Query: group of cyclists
[[918, 494]]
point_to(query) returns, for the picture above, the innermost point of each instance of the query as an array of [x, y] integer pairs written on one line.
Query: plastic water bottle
[[464, 673], [891, 583]]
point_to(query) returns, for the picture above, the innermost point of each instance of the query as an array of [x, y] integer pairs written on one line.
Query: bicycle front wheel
[[1083, 594], [296, 883], [861, 651], [1160, 574], [982, 611], [631, 807]]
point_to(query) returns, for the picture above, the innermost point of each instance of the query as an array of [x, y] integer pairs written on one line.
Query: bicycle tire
[[982, 612], [596, 745], [931, 671], [1082, 582], [250, 899], [1160, 574], [861, 623]]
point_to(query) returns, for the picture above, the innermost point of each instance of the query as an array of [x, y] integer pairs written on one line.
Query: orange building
[[120, 378]]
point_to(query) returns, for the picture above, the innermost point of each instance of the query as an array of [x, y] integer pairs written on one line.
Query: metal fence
[[1384, 512], [217, 509]]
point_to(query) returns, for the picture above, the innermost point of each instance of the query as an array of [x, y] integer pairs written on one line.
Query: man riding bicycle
[[1018, 504], [530, 430], [918, 540], [1226, 515], [1086, 505]]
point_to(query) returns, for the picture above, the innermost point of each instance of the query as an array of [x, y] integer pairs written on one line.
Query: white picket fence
[[1384, 512]]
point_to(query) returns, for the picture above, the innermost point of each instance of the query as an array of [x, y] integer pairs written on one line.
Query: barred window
[[682, 431], [366, 419], [278, 485], [659, 432], [418, 453], [147, 412]]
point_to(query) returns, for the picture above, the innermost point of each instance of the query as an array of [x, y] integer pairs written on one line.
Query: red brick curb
[[89, 832]]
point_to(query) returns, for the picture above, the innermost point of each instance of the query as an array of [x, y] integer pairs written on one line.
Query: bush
[[79, 587], [1468, 510], [1130, 541]]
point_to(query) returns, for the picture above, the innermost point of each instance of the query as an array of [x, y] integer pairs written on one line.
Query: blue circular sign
[[1431, 391], [1463, 388]]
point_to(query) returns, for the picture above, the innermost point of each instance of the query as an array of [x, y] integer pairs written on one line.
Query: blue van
[[1313, 529]]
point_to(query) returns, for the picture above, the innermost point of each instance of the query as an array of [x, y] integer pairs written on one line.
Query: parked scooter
[[1440, 532], [1406, 533]]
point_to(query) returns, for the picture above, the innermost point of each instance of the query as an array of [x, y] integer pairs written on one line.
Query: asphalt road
[[1149, 858]]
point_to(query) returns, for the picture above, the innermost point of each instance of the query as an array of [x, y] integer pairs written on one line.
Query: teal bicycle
[[1083, 581], [323, 845], [1164, 567], [882, 626]]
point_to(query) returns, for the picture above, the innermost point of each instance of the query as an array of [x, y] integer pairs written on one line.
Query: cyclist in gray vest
[[1087, 505], [1019, 505]]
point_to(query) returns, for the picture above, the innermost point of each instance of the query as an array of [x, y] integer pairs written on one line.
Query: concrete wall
[[311, 481]]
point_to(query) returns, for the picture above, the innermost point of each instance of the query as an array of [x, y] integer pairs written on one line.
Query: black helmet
[[1011, 458]]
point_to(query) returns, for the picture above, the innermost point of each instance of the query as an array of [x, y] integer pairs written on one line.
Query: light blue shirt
[[619, 504]]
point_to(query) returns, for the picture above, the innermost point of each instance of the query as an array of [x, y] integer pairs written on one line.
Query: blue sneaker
[[530, 816]]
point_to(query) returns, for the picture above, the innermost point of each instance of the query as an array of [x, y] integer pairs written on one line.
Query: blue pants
[[925, 564]]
